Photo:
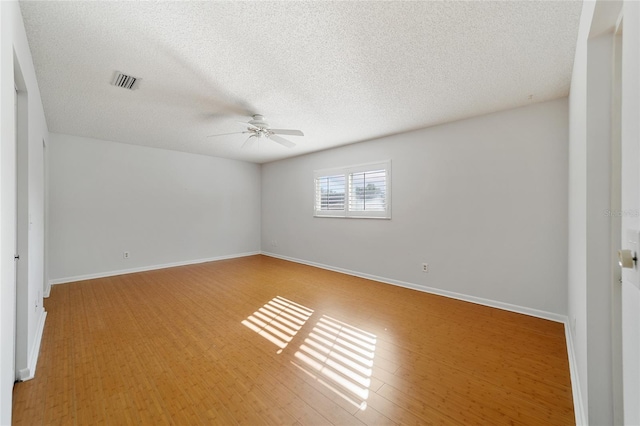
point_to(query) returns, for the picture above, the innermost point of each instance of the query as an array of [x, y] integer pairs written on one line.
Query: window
[[355, 191]]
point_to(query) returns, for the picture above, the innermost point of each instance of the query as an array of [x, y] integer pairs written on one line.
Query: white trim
[[578, 406], [30, 372], [473, 299], [47, 291], [147, 268]]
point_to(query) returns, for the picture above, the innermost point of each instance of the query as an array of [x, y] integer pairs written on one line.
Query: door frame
[[21, 184]]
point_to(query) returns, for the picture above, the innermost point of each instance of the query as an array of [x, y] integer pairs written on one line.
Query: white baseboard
[[578, 406], [473, 299], [30, 372], [147, 268], [47, 290]]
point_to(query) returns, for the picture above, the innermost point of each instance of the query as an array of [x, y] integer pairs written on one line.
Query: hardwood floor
[[258, 340]]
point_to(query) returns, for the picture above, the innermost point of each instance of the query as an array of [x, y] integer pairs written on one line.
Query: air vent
[[125, 81]]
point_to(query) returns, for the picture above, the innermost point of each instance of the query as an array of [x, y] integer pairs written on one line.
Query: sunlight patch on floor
[[340, 357], [278, 320]]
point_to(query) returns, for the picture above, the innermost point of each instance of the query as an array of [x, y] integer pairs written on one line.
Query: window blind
[[367, 191], [330, 193]]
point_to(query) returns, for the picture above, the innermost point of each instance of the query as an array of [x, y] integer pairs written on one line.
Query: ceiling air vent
[[125, 81]]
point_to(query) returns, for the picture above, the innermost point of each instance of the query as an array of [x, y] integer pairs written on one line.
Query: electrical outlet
[[125, 254], [425, 267]]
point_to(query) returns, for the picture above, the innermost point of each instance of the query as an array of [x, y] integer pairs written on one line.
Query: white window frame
[[347, 172]]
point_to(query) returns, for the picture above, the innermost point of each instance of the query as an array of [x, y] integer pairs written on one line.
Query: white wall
[[164, 207], [13, 45], [483, 201]]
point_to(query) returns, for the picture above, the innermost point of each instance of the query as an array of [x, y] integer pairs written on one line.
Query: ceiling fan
[[259, 128]]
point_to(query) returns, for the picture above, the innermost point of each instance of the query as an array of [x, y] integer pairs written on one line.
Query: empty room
[[320, 212]]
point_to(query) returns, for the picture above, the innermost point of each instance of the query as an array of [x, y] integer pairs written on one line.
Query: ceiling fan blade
[[282, 141], [225, 134], [286, 132], [249, 142]]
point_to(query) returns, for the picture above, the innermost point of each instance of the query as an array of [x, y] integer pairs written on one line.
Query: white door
[[630, 198]]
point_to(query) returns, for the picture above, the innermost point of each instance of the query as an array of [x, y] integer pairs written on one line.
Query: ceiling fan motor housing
[[258, 121]]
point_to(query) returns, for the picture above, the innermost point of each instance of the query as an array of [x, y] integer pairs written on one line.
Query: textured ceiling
[[342, 72]]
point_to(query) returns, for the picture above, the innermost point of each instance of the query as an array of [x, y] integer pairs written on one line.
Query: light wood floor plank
[[258, 340]]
